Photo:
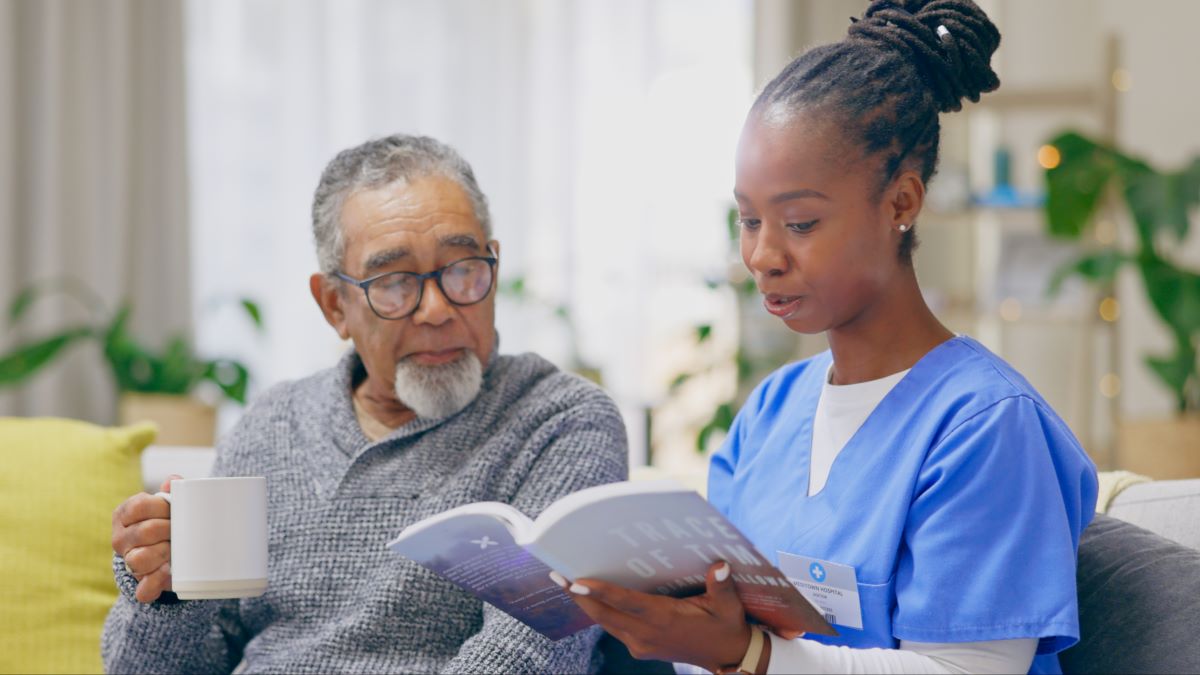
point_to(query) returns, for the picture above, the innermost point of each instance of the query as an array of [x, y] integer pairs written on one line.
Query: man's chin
[[438, 390]]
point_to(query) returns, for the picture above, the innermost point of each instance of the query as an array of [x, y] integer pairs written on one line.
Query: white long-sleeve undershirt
[[992, 656], [803, 656]]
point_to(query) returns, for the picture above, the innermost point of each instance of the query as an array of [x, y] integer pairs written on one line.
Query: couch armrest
[[160, 461], [1139, 602], [1169, 508]]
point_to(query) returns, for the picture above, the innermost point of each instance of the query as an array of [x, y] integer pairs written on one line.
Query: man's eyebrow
[[382, 259], [460, 241]]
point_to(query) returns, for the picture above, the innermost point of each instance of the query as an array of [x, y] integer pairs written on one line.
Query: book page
[[575, 501], [477, 552], [664, 542]]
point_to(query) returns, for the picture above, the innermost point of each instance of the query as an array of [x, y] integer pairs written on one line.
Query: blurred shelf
[[1009, 200], [1028, 316], [1042, 98], [989, 263]]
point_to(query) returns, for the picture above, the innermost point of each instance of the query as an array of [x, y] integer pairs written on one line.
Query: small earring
[[903, 228]]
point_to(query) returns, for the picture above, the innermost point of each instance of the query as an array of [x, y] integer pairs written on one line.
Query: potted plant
[[1089, 173], [152, 384]]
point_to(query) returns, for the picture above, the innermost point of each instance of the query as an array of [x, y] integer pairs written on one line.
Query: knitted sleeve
[[171, 635]]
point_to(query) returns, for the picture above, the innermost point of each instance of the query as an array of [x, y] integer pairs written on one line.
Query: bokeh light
[[1110, 309], [1048, 156], [1110, 385]]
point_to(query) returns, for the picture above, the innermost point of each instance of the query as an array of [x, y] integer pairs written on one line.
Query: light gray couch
[[1170, 508], [1139, 583]]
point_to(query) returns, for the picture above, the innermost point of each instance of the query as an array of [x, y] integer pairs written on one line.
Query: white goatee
[[434, 392]]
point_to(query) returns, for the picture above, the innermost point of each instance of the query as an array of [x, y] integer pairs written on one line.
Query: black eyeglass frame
[[421, 278]]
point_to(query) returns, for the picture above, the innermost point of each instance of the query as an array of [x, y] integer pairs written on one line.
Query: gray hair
[[378, 163]]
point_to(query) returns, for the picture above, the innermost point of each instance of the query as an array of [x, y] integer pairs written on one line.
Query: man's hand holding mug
[[141, 535], [203, 538]]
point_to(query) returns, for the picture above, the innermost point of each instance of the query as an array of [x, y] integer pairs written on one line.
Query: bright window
[[602, 131]]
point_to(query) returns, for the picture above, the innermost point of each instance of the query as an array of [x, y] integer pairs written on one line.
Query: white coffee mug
[[218, 537]]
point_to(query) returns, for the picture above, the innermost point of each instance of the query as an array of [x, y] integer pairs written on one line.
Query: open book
[[652, 536]]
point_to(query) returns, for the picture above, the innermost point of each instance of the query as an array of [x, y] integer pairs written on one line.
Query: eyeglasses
[[396, 295]]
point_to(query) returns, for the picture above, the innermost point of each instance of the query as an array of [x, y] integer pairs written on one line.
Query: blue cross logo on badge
[[817, 572]]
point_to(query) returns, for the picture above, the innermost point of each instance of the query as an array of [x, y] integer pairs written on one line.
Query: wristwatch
[[749, 664]]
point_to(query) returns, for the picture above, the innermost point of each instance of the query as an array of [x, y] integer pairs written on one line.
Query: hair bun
[[949, 41]]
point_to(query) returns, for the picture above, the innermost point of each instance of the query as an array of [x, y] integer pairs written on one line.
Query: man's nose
[[434, 308], [768, 257]]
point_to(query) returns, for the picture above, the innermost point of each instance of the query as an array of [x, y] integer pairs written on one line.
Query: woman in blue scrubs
[[909, 469]]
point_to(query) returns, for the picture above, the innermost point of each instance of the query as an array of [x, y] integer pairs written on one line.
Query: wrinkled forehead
[[427, 219]]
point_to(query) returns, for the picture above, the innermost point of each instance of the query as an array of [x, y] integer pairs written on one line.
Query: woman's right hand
[[141, 534], [707, 630]]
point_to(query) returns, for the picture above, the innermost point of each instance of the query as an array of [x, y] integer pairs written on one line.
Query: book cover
[[652, 536], [473, 546]]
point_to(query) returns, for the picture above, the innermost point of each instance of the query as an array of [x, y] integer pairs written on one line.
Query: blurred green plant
[[747, 368], [1088, 173], [517, 289], [175, 369]]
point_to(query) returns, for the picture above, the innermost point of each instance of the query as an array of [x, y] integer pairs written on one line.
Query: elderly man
[[421, 416]]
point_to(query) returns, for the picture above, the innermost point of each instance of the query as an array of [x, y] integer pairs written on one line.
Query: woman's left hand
[[708, 630]]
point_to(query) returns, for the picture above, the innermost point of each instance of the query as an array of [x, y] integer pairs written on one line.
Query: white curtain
[[92, 181], [601, 130]]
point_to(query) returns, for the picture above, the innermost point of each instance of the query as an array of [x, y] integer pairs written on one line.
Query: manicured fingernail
[[558, 579], [580, 589], [722, 572]]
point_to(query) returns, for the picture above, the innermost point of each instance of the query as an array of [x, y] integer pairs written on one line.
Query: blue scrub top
[[959, 502]]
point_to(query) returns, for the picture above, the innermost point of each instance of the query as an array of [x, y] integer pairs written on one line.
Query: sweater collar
[[349, 370]]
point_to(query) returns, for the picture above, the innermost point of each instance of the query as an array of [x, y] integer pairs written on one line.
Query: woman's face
[[821, 246]]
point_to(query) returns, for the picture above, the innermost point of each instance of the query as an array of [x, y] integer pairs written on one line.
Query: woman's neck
[[891, 335]]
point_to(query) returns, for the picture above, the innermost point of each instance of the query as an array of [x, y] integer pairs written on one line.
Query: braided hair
[[901, 64]]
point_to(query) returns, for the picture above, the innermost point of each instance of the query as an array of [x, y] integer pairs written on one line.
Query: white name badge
[[833, 588]]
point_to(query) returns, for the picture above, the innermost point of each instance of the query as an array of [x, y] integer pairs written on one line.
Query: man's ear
[[329, 298], [905, 199], [494, 247]]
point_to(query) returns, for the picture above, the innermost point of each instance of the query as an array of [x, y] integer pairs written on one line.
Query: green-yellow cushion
[[60, 483]]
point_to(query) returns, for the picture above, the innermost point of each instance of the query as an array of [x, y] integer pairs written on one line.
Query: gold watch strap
[[753, 653]]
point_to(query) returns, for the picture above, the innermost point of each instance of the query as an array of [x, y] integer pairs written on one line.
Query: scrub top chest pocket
[[861, 612], [832, 587]]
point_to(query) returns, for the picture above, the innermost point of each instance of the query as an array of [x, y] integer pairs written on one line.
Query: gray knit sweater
[[338, 600]]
